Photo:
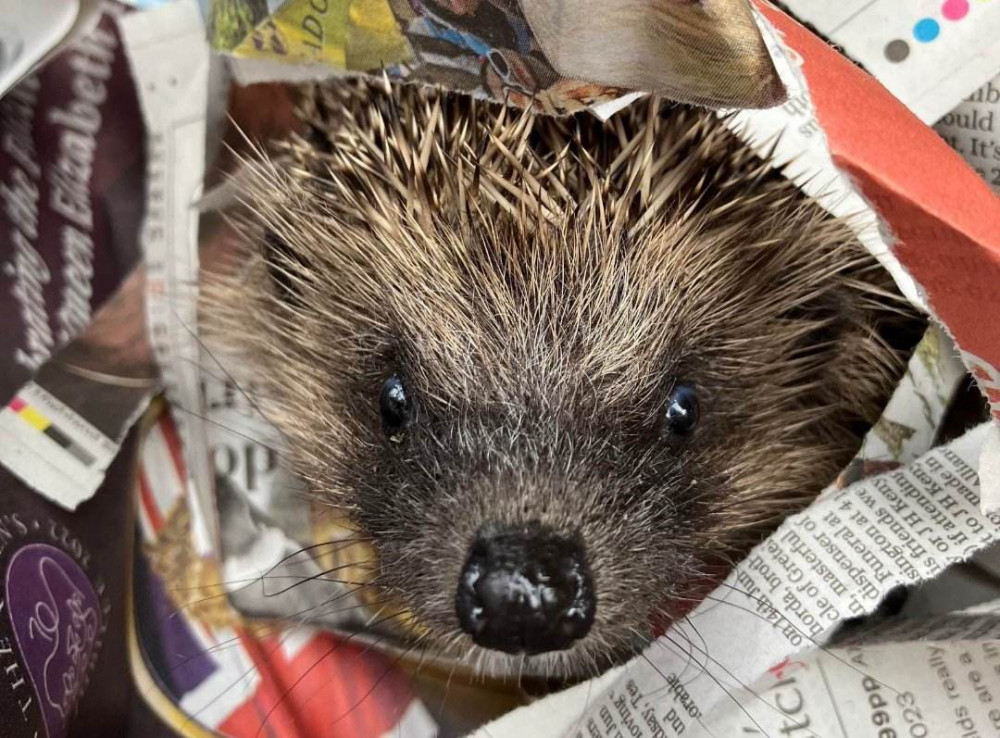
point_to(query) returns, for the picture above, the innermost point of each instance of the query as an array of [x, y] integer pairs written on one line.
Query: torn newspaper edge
[[171, 71], [944, 229], [61, 431], [911, 419], [794, 138], [554, 56]]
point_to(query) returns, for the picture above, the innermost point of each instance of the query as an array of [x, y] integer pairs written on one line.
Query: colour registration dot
[[955, 10], [897, 50], [927, 29]]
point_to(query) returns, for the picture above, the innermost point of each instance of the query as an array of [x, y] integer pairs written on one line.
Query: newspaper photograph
[[526, 53]]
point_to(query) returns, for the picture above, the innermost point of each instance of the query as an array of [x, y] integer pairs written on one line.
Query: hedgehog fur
[[541, 284]]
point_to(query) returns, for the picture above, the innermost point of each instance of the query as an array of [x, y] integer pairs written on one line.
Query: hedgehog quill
[[562, 372]]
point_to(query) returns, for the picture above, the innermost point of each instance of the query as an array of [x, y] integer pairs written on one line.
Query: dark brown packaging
[[72, 166]]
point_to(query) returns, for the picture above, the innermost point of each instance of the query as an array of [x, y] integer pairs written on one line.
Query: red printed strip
[[150, 510], [162, 474], [330, 685]]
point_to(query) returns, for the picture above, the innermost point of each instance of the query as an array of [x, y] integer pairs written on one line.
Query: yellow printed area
[[34, 418], [351, 35]]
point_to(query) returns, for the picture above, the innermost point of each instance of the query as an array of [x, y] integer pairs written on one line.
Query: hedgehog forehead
[[513, 314], [498, 306]]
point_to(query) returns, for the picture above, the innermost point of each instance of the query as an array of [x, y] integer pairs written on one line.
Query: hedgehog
[[561, 372]]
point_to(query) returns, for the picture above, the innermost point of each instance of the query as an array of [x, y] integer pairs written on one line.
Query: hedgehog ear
[[705, 52], [285, 267]]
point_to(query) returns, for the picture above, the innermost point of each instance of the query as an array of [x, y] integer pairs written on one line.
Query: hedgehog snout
[[525, 589]]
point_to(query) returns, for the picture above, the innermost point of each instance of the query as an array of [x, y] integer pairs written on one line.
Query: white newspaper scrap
[[973, 130], [263, 513], [741, 648], [52, 448], [29, 36], [913, 415], [938, 686], [929, 53], [988, 378], [989, 471], [169, 56]]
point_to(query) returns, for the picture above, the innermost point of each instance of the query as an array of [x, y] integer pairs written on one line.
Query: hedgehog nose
[[525, 590]]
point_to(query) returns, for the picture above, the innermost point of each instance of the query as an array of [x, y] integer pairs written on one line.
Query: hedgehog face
[[545, 493], [557, 422], [520, 424]]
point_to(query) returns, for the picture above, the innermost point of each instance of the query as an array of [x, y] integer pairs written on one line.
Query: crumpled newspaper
[[558, 56], [216, 512]]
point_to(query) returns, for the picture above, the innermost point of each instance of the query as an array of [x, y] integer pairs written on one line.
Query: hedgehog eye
[[682, 413], [395, 406]]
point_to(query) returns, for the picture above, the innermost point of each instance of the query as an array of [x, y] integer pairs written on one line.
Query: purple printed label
[[56, 618]]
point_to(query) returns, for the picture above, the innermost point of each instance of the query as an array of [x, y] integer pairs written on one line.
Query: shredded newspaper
[[767, 653]]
